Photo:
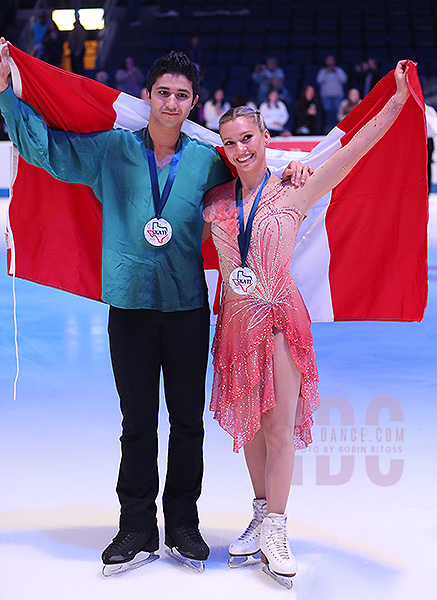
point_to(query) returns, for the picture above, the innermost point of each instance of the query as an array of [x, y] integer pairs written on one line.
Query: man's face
[[171, 100]]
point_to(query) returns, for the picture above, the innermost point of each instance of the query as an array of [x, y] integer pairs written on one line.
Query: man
[[151, 184], [76, 43], [38, 30], [331, 79]]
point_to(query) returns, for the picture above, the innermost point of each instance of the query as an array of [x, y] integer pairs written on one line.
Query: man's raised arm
[[5, 69]]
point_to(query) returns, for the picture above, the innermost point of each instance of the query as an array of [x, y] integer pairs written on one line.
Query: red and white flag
[[365, 243], [361, 253]]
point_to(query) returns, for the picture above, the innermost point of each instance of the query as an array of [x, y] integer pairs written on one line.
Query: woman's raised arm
[[340, 164]]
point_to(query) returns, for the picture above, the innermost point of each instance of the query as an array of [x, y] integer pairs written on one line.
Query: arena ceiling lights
[[90, 18]]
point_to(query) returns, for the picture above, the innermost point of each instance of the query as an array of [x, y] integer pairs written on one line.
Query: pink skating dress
[[243, 386]]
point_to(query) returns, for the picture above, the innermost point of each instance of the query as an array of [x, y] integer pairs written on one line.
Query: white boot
[[275, 547], [249, 542]]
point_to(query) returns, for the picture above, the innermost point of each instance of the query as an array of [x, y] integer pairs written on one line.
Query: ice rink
[[363, 519]]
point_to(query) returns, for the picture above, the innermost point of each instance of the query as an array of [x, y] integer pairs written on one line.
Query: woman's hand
[[5, 69], [402, 91]]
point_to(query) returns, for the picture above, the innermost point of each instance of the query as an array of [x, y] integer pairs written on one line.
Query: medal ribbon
[[245, 234], [159, 200]]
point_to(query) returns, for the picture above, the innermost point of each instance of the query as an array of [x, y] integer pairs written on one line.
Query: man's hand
[[296, 174], [5, 69]]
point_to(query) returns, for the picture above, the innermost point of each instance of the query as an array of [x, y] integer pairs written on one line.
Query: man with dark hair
[[151, 184], [176, 63]]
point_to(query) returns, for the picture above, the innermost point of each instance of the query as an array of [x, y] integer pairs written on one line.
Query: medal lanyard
[[245, 234], [159, 200]]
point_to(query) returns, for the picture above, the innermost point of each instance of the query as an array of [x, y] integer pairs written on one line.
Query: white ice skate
[[279, 562], [244, 548]]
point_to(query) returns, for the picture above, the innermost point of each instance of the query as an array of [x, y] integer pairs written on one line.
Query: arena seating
[[236, 35]]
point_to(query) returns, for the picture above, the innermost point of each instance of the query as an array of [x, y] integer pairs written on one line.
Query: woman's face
[[309, 93], [354, 95], [273, 96], [219, 95], [244, 144]]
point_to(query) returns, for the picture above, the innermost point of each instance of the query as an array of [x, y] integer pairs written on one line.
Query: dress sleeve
[[340, 164], [67, 156]]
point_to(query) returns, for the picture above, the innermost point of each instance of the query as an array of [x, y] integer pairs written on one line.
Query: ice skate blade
[[135, 563], [248, 560], [284, 580], [195, 565]]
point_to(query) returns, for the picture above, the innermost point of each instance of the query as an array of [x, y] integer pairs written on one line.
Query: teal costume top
[[114, 164]]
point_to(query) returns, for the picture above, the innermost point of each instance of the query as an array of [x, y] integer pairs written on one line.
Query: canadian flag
[[361, 253]]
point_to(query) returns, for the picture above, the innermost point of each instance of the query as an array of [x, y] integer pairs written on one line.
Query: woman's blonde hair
[[244, 111]]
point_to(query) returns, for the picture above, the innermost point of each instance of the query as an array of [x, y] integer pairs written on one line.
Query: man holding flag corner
[[151, 273]]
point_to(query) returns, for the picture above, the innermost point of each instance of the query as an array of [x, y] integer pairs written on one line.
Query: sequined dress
[[243, 388], [243, 360]]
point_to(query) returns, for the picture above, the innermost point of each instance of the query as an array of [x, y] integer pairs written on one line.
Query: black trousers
[[142, 342]]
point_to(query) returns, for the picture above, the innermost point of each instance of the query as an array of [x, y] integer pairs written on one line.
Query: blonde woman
[[265, 375]]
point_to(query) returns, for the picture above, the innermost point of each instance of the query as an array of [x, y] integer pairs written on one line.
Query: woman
[[275, 114], [307, 116], [265, 379], [349, 103], [214, 108]]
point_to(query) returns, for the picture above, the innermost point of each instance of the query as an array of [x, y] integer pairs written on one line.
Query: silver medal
[[158, 232], [242, 280]]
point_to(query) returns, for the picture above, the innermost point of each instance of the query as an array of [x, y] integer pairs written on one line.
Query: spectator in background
[[262, 77], [76, 42], [129, 78], [38, 30], [331, 80], [53, 45], [349, 103], [194, 53], [308, 112], [240, 99], [367, 74], [276, 83], [102, 77], [275, 114], [214, 108]]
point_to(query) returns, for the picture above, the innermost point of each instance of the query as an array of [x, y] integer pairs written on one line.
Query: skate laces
[[191, 534], [250, 529], [123, 539], [277, 541]]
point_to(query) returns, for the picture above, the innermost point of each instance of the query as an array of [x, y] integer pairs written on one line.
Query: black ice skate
[[187, 546], [127, 551]]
